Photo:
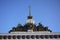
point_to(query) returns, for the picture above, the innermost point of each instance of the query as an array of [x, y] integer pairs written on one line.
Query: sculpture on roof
[[29, 25]]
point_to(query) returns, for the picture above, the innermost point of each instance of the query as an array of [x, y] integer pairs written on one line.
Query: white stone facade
[[42, 35]]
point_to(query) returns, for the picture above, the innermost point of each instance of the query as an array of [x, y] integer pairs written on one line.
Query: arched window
[[9, 37], [55, 36], [37, 36], [18, 37], [46, 36], [59, 36], [32, 36], [0, 36], [4, 37], [41, 36], [28, 36], [51, 36], [23, 36], [14, 37]]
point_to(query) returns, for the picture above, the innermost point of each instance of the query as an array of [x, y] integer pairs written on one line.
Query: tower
[[30, 22], [30, 18]]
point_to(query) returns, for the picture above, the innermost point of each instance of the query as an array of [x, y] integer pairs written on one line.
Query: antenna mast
[[29, 10]]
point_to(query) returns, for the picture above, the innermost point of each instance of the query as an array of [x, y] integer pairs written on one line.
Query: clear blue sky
[[13, 12]]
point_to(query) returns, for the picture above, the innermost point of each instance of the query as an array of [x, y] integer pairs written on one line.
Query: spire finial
[[29, 10]]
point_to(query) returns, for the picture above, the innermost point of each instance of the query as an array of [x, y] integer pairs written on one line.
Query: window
[[46, 36], [32, 36], [14, 37], [9, 37], [4, 37], [41, 36], [59, 36], [28, 36], [51, 36], [37, 36], [18, 37], [0, 37], [55, 36], [23, 36]]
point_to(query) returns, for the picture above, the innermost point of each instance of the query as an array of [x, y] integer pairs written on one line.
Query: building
[[30, 31]]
